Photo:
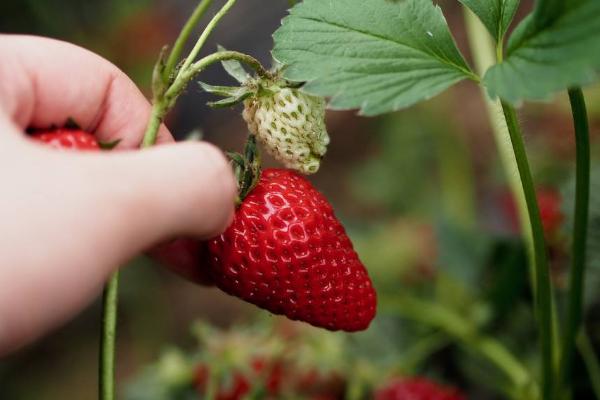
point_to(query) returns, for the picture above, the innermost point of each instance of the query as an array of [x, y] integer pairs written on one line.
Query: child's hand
[[68, 220]]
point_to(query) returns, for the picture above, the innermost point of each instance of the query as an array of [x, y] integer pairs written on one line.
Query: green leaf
[[370, 54], [496, 15], [557, 46]]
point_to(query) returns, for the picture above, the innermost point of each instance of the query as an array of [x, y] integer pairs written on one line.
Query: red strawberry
[[549, 202], [417, 389], [63, 138], [185, 256], [240, 387], [286, 252]]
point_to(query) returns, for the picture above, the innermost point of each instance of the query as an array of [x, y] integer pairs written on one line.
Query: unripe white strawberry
[[291, 126]]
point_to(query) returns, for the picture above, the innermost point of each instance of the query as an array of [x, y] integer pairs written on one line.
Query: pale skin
[[68, 220]]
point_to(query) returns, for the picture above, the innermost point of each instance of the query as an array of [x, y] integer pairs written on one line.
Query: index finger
[[45, 82]]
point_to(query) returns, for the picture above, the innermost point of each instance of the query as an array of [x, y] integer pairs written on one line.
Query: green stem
[[580, 228], [543, 293], [482, 47], [204, 36], [107, 341], [200, 65], [458, 327], [156, 117], [584, 344], [186, 31], [513, 156], [163, 105]]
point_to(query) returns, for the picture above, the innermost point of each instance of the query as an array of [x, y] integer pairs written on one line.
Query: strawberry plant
[[286, 251]]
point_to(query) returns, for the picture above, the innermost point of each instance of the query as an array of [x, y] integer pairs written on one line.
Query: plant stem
[[204, 36], [107, 340], [163, 105], [482, 47], [580, 228], [194, 69], [588, 355], [543, 294], [512, 151], [186, 31]]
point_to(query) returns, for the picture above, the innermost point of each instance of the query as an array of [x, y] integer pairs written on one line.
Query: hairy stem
[[580, 228], [514, 158], [204, 36], [164, 104], [200, 65], [107, 341], [183, 37], [483, 52], [156, 117], [543, 294]]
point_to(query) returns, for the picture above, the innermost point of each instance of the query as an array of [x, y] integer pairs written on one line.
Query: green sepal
[[229, 101], [225, 91], [234, 68], [246, 168], [109, 145], [233, 94], [236, 158], [158, 83]]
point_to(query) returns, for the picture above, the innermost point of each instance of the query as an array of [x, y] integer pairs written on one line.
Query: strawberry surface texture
[[286, 252], [64, 139]]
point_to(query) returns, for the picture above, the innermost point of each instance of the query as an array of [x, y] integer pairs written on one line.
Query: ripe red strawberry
[[185, 256], [417, 389], [286, 252], [64, 138], [549, 203]]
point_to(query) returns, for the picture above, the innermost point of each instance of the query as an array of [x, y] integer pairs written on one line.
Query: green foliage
[[496, 15], [557, 46], [370, 54], [393, 136]]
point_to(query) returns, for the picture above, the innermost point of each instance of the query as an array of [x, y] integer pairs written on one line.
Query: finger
[[109, 207], [73, 83]]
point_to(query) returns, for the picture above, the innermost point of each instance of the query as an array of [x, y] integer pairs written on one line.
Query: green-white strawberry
[[289, 123], [291, 126]]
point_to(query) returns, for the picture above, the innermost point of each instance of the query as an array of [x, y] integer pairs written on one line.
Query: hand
[[69, 219]]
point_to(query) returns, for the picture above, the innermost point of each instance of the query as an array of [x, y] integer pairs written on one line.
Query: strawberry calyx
[[246, 167], [249, 86]]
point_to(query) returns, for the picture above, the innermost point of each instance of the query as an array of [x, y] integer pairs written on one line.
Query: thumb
[[86, 214], [171, 190]]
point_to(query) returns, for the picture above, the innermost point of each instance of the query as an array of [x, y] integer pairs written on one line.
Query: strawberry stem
[[183, 37], [543, 293], [512, 151], [108, 335], [166, 101], [579, 241], [204, 36]]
